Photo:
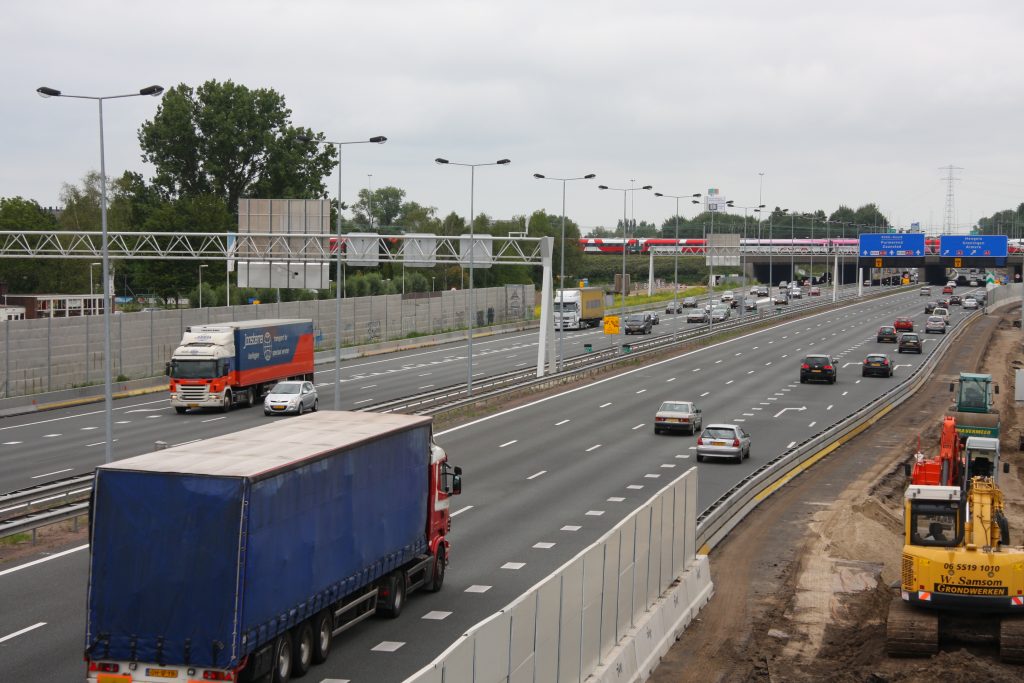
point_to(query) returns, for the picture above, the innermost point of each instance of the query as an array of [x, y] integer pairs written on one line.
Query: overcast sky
[[834, 102]]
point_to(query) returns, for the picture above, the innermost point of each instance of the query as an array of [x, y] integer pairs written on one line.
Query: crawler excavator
[[960, 577]]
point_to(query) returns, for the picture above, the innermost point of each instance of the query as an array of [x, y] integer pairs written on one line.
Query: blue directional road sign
[[887, 245], [977, 246]]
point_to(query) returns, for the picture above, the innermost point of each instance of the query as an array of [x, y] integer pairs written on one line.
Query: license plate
[[193, 405], [815, 370], [674, 419], [114, 678], [876, 365], [278, 407], [719, 443], [162, 673]]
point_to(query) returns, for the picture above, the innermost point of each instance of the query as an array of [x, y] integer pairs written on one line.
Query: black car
[[955, 300], [930, 306], [818, 367], [886, 333], [639, 323], [674, 307], [877, 364], [909, 342]]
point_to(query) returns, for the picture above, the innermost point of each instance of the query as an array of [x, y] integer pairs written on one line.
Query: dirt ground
[[803, 587]]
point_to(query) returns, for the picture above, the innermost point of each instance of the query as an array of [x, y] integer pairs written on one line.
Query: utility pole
[[949, 222]]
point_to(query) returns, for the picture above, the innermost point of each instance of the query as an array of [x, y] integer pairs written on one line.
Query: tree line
[[219, 142]]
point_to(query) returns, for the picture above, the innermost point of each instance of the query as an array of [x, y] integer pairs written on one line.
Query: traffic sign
[[887, 245], [979, 246], [958, 263], [878, 263], [611, 324]]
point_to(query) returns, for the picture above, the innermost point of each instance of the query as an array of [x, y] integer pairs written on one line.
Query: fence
[[60, 353], [573, 622]]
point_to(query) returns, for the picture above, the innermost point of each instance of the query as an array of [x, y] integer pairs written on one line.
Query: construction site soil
[[803, 586]]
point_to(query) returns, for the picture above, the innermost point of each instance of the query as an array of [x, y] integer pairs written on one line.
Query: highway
[[542, 480]]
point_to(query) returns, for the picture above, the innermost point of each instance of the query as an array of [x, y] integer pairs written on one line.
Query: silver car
[[719, 314], [678, 416], [291, 397], [723, 441], [935, 324], [970, 303], [697, 316]]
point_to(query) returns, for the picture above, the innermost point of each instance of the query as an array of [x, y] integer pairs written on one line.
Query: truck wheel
[[226, 405], [282, 659], [302, 646], [323, 635], [180, 410], [440, 561], [396, 596], [253, 397]]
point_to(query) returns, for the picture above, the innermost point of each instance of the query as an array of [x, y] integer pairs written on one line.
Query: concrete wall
[[60, 353]]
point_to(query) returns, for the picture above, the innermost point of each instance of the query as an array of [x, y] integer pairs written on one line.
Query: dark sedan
[[818, 368], [886, 333], [877, 365], [909, 342], [638, 324], [930, 306]]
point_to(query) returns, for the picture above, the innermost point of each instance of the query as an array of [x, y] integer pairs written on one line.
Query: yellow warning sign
[[878, 263], [958, 263], [611, 324]]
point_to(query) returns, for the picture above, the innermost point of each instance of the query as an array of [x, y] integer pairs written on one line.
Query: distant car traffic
[[909, 342], [678, 416], [782, 298], [974, 283], [638, 323], [815, 291], [697, 316], [655, 320], [796, 293], [719, 314], [930, 306], [904, 324], [762, 290], [291, 397], [690, 302], [818, 367], [723, 441], [935, 324], [876, 364], [970, 303], [886, 334], [947, 289], [942, 313], [925, 291]]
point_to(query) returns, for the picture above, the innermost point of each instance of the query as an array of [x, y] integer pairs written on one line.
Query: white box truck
[[579, 308]]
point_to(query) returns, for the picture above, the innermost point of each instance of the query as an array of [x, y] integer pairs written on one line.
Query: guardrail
[[32, 508]]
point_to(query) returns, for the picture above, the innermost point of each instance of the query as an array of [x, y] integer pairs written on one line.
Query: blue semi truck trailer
[[239, 558]]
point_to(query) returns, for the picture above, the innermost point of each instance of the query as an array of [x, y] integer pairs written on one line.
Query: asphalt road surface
[[543, 480]]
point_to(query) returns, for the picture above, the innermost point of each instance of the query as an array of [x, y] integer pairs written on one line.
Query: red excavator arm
[[947, 468]]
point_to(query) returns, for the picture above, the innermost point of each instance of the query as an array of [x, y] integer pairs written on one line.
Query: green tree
[[416, 218], [229, 141], [24, 276], [385, 203]]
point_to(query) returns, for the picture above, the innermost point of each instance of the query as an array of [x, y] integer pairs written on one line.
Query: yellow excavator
[[961, 580]]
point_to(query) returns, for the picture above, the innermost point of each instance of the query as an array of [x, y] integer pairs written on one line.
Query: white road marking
[[426, 386], [477, 589], [671, 379], [365, 400], [813, 423], [123, 422], [11, 443], [683, 456], [705, 394], [513, 565], [144, 410], [98, 443], [748, 415], [604, 405], [595, 513], [717, 362], [768, 363], [150, 417], [368, 386], [212, 419], [24, 630], [559, 424], [845, 364], [508, 443], [425, 374], [696, 369], [436, 615], [461, 510], [386, 646], [544, 545], [616, 499], [652, 476], [750, 372], [635, 487], [86, 429], [538, 474], [829, 407], [791, 444], [50, 474], [593, 448], [799, 410], [739, 419], [183, 443], [857, 382], [845, 393], [738, 353], [44, 559], [638, 427], [730, 381], [571, 527], [668, 465], [50, 436]]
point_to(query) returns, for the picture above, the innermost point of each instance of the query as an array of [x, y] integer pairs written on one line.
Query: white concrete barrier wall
[[585, 615]]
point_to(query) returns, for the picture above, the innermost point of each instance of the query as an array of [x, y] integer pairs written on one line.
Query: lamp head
[[589, 176], [538, 175], [439, 160], [378, 139], [658, 194], [647, 187], [502, 162], [154, 90], [48, 92], [602, 187], [304, 138]]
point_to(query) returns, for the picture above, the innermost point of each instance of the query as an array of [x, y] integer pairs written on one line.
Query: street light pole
[[625, 221], [201, 266], [675, 253], [339, 269], [472, 250], [108, 393], [561, 275]]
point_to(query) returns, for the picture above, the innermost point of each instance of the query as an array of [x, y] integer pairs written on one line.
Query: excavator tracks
[[911, 632], [1011, 640]]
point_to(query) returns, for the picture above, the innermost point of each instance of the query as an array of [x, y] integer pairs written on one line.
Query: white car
[[796, 293], [942, 313], [291, 397], [935, 324], [723, 441], [970, 302], [678, 416], [697, 316]]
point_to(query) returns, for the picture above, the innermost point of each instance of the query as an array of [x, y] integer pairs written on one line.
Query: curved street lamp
[[376, 140], [675, 275], [108, 398], [472, 250], [625, 193], [561, 276]]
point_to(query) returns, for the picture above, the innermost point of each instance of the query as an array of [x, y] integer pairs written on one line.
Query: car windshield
[[635, 319], [935, 319], [886, 329], [675, 408], [286, 388], [568, 306], [909, 337], [817, 360], [719, 433], [876, 358]]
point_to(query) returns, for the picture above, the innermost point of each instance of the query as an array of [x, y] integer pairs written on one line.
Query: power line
[[949, 222]]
